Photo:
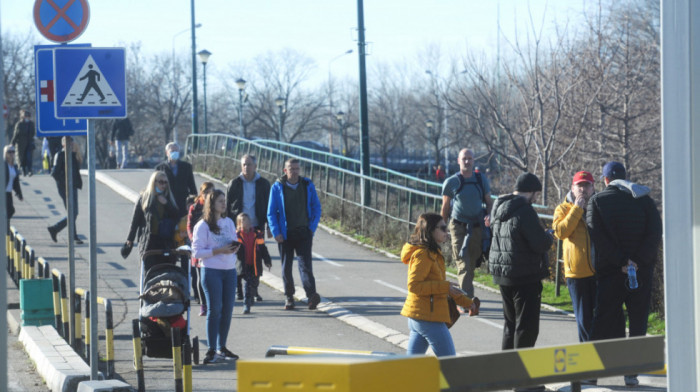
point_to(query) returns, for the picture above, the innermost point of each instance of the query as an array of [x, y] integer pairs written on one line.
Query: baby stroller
[[163, 301]]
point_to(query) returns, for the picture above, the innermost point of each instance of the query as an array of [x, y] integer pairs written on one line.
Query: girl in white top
[[214, 241]]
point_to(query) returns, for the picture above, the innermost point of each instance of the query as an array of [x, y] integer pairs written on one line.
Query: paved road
[[362, 292]]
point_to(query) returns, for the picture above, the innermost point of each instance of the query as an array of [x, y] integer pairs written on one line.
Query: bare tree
[[167, 92]]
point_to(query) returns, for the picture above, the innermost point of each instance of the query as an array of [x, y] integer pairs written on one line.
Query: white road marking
[[325, 260]]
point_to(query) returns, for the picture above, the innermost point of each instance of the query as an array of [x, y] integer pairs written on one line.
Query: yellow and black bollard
[[88, 332], [138, 355], [177, 358], [187, 366]]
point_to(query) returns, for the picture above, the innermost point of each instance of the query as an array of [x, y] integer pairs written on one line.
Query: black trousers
[[612, 293], [521, 309]]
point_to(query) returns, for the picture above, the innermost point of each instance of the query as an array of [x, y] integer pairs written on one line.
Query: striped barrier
[[86, 334], [536, 366], [177, 358], [293, 350], [138, 354]]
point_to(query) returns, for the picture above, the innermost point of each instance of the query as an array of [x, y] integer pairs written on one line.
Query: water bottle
[[632, 278]]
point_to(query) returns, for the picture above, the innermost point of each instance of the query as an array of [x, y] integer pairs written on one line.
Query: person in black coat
[[11, 177], [180, 176], [23, 139], [249, 193], [518, 261], [58, 172], [153, 220], [122, 130], [625, 229]]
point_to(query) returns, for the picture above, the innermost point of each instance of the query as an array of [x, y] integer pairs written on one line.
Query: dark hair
[[209, 215], [290, 161], [423, 233]]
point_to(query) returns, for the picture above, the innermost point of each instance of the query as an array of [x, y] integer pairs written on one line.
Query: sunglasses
[[161, 182], [443, 228]]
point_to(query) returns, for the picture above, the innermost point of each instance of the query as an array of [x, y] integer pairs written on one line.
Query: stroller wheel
[[195, 350]]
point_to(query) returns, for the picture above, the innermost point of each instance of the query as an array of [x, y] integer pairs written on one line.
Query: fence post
[[138, 354], [177, 358], [78, 322], [109, 337], [57, 301], [88, 331]]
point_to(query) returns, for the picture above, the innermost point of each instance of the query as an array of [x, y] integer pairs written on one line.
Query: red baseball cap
[[582, 176]]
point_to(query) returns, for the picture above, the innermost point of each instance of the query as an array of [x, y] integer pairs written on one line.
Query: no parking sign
[[61, 20]]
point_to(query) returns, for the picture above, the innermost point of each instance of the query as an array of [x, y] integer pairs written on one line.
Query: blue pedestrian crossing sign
[[46, 123], [90, 82]]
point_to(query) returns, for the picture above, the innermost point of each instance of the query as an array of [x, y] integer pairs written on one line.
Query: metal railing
[[395, 197]]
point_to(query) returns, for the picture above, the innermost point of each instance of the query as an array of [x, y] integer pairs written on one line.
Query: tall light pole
[[340, 116], [429, 126], [279, 102], [195, 119], [198, 25], [330, 94], [364, 110], [240, 83], [204, 57], [433, 77]]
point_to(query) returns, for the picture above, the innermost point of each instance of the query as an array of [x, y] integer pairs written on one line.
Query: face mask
[[175, 155], [158, 191]]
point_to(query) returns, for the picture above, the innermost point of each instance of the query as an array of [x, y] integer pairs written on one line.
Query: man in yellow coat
[[570, 226]]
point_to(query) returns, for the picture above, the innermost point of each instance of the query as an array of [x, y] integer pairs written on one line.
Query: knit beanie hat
[[528, 182]]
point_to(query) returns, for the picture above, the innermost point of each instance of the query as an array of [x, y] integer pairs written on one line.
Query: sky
[[236, 31]]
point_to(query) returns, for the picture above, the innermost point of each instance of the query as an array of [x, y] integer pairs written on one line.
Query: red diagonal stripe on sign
[[61, 13]]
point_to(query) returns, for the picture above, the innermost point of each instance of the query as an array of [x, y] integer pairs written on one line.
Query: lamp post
[[195, 118], [198, 25], [204, 57], [280, 105], [429, 125], [240, 82], [340, 116]]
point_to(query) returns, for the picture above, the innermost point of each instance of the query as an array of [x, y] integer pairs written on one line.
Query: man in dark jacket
[[121, 132], [625, 229], [518, 261], [180, 176], [249, 193], [23, 139], [58, 172]]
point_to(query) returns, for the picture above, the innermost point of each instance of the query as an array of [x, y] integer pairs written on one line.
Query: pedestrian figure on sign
[[93, 77]]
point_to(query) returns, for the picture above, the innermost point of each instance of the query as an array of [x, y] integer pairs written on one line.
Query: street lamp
[[204, 57], [340, 116], [240, 82], [198, 25], [429, 125], [280, 104]]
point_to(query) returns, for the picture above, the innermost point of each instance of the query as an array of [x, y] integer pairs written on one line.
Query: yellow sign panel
[[552, 361]]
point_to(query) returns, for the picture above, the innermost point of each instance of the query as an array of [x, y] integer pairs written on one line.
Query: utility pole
[[364, 121]]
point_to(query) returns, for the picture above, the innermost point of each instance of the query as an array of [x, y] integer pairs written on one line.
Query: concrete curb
[[104, 386], [56, 362]]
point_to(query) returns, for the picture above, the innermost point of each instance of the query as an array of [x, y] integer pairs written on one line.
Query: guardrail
[[24, 264], [396, 197]]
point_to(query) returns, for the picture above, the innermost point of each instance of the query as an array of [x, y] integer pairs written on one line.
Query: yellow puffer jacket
[[427, 286], [569, 225]]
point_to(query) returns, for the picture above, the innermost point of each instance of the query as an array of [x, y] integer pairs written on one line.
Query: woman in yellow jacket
[[428, 288], [569, 225]]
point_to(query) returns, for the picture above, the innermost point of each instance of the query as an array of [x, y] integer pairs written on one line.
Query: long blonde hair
[[149, 194]]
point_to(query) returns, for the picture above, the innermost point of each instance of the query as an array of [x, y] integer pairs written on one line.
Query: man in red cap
[[569, 225]]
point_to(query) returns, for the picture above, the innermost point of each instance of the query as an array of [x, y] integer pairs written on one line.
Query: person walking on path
[[464, 196], [518, 262], [122, 130], [11, 181], [625, 228], [251, 256], [193, 217], [428, 289], [153, 220], [249, 193], [180, 176], [293, 214], [58, 172], [216, 243], [23, 139], [569, 225]]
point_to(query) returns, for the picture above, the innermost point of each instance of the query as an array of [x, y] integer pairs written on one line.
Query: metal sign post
[[90, 83]]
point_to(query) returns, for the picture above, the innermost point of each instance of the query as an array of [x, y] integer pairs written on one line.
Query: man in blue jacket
[[293, 213]]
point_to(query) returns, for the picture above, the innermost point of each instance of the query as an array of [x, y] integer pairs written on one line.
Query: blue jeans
[[122, 153], [220, 290], [582, 291], [300, 241], [429, 333]]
